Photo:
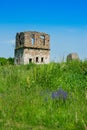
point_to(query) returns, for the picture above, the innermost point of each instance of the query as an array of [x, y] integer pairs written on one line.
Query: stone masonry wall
[[32, 39], [32, 47], [36, 56]]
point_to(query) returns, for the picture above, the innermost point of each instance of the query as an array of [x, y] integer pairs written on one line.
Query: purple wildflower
[[59, 94]]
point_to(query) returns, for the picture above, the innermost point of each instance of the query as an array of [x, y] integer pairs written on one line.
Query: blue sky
[[64, 20]]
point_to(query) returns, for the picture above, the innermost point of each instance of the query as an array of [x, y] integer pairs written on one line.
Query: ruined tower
[[32, 47]]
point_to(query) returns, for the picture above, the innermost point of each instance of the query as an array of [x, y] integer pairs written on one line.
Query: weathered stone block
[[73, 56]]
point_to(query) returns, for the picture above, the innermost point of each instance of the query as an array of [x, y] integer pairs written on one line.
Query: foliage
[[31, 97], [4, 61], [10, 60]]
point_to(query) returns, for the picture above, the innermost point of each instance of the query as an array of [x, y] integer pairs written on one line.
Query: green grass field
[[30, 99]]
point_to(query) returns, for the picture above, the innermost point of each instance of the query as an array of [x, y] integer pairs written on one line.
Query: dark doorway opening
[[36, 59], [42, 59], [30, 60]]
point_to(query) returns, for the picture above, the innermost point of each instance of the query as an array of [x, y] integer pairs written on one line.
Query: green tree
[[10, 60]]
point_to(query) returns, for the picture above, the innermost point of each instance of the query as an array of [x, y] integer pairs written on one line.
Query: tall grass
[[26, 101]]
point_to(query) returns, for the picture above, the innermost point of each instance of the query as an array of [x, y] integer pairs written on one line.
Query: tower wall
[[37, 56], [32, 47]]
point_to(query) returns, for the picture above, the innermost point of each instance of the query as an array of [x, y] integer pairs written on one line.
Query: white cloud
[[71, 30], [12, 41]]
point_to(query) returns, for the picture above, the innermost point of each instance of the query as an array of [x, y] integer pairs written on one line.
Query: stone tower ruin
[[72, 56], [32, 47]]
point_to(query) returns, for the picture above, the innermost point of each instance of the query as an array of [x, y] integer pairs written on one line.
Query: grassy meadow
[[44, 97]]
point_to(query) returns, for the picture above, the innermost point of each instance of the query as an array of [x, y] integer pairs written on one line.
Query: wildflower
[[59, 94]]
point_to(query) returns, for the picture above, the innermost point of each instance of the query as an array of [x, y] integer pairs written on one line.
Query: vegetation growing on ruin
[[44, 97]]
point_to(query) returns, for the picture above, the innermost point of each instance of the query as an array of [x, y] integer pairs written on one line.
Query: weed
[[31, 96]]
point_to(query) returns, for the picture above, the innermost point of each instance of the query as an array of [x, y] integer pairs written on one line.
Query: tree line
[[6, 61]]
